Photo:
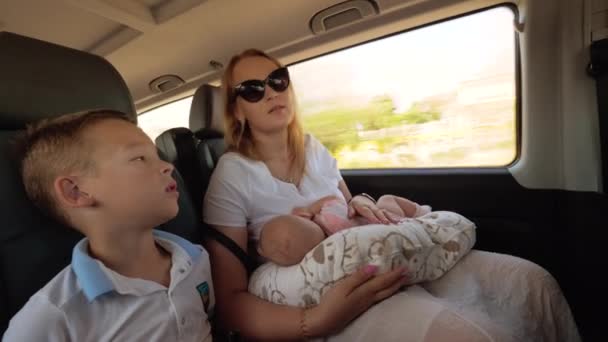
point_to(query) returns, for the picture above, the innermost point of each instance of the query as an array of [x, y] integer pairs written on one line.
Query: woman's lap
[[485, 297], [424, 320], [509, 294]]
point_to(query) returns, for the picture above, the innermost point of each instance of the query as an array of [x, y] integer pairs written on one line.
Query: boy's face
[[129, 182]]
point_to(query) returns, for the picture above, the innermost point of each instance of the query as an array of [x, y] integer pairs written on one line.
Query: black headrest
[[168, 141], [180, 148], [41, 80], [207, 110]]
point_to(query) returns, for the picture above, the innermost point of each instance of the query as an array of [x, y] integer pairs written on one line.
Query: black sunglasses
[[253, 90]]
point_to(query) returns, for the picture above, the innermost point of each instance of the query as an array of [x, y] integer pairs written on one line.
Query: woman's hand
[[352, 296], [361, 205]]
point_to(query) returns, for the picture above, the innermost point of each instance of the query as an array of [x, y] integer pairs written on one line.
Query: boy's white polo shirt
[[89, 302]]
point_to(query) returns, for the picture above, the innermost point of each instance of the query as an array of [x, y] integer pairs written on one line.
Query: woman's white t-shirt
[[242, 192]]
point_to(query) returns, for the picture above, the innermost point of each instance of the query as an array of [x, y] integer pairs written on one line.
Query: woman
[[271, 168]]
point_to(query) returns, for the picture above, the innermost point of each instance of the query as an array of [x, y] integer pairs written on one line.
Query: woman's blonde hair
[[238, 135]]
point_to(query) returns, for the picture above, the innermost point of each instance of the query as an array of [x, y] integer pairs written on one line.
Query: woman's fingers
[[358, 278], [381, 282], [354, 294], [351, 211], [383, 294], [367, 213], [392, 217], [380, 215]]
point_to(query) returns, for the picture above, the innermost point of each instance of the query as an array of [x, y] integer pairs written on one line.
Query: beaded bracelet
[[303, 326]]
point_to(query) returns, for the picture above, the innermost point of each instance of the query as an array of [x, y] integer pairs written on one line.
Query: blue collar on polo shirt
[[92, 279]]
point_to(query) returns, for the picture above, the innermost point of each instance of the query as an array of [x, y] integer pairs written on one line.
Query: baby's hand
[[316, 207], [302, 212], [333, 217], [313, 209]]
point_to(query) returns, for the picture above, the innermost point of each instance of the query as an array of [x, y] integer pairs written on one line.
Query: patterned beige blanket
[[428, 246]]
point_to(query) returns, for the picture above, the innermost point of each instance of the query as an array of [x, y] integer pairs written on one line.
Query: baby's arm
[[329, 213], [400, 207], [315, 208], [334, 217]]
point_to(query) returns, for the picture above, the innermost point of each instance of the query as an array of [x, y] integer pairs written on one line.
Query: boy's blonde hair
[[239, 138], [55, 147]]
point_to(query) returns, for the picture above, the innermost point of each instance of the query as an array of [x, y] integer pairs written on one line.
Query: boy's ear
[[70, 195]]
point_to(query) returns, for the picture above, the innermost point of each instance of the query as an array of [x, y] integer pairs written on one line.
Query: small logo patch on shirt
[[203, 291]]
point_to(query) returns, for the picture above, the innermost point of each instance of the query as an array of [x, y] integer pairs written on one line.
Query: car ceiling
[[145, 39]]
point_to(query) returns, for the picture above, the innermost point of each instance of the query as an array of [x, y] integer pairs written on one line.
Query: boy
[[100, 174]]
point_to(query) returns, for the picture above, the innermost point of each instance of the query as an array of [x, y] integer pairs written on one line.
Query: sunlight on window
[[439, 96], [156, 121]]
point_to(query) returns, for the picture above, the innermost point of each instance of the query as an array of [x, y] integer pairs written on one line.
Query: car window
[[171, 115], [443, 95]]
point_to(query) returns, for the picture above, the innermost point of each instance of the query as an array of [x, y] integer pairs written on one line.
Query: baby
[[286, 239]]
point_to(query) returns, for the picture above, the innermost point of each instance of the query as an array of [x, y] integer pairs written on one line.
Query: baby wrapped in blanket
[[304, 264]]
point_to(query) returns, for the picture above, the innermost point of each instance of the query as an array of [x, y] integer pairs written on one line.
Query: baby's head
[[96, 169], [287, 238]]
